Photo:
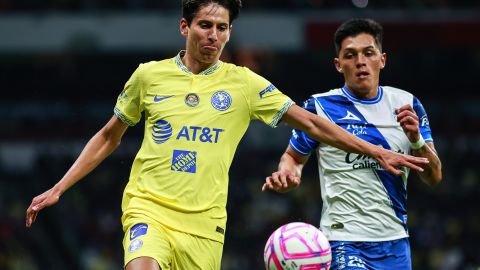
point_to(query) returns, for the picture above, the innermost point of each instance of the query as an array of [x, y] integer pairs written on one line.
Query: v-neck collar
[[208, 71]]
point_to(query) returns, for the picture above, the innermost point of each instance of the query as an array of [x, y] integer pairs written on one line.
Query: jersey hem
[[367, 239], [162, 218]]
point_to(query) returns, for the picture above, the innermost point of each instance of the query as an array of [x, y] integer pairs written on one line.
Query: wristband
[[418, 144]]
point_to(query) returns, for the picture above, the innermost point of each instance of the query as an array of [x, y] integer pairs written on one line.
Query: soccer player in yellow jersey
[[196, 110]]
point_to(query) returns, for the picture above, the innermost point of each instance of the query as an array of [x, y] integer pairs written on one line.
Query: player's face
[[208, 33], [360, 61]]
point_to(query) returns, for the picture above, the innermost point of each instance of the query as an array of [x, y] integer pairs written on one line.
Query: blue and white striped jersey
[[361, 201]]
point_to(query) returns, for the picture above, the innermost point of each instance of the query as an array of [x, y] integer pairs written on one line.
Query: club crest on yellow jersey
[[221, 100]]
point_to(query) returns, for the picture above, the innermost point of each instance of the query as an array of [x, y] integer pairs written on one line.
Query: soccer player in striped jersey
[[364, 211], [196, 109]]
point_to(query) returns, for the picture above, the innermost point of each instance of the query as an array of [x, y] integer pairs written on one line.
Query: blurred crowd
[[278, 5]]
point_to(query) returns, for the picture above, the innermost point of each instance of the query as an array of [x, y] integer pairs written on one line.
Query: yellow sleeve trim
[[280, 113], [122, 117]]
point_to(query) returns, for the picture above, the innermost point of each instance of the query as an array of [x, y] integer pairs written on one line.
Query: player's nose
[[361, 60], [212, 35]]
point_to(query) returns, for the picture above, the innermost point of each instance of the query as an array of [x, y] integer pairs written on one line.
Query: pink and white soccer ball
[[297, 246]]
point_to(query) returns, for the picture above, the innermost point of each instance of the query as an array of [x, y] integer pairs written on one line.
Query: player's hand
[[281, 182], [46, 199], [408, 120], [390, 161]]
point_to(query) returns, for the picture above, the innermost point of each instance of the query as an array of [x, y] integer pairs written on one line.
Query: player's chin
[[363, 84], [210, 53]]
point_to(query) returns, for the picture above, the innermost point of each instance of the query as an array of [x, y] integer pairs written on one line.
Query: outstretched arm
[[323, 131], [408, 120], [100, 146], [289, 172]]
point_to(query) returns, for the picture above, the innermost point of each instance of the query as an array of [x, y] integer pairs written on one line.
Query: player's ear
[[336, 62], [184, 27], [383, 60]]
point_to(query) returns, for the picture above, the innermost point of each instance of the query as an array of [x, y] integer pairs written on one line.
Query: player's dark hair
[[191, 7], [354, 27]]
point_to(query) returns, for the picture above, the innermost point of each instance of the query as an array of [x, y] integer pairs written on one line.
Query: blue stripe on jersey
[[397, 192], [338, 108], [309, 105], [422, 120], [344, 113], [300, 141]]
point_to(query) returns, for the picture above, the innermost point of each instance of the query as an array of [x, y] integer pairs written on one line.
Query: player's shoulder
[[390, 90], [331, 92], [241, 74], [152, 69], [154, 64], [239, 70], [397, 96]]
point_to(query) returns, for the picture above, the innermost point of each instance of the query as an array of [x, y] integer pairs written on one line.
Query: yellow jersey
[[193, 124]]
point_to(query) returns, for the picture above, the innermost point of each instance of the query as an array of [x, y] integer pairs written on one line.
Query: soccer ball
[[297, 246]]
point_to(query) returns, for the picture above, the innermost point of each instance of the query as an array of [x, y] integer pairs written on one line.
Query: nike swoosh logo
[[158, 99]]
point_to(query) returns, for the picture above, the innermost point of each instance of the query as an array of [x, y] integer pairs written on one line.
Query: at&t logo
[[202, 134], [162, 131]]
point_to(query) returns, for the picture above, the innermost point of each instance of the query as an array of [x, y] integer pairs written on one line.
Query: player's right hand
[[46, 199], [281, 182]]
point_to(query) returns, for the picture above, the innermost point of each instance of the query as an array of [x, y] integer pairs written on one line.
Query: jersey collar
[[363, 100], [208, 71]]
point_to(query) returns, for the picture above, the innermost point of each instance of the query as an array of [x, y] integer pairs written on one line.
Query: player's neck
[[363, 93], [194, 65]]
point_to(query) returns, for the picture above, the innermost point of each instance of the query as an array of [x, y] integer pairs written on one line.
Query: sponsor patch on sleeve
[[269, 88], [137, 230]]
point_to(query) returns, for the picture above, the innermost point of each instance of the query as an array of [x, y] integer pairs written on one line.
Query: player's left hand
[[391, 161], [281, 181], [46, 199], [408, 120]]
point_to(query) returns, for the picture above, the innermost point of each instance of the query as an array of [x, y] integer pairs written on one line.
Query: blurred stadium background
[[63, 63]]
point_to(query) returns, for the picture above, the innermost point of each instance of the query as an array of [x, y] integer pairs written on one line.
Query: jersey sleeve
[[129, 104], [423, 120], [267, 103], [300, 142]]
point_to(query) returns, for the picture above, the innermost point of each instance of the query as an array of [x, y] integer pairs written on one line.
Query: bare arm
[[329, 133], [408, 120], [432, 173], [100, 146], [289, 172]]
